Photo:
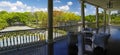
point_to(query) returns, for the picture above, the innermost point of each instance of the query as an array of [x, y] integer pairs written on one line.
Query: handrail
[[23, 30], [73, 25], [47, 28]]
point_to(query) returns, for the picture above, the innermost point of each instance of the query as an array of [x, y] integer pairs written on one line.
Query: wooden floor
[[61, 47], [114, 41]]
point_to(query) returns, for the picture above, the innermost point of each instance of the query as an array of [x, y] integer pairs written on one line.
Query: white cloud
[[40, 9], [18, 7], [43, 9], [1, 9], [28, 8], [8, 4], [21, 10], [3, 4], [57, 8], [13, 8], [69, 3], [20, 4], [62, 8], [66, 7], [78, 13]]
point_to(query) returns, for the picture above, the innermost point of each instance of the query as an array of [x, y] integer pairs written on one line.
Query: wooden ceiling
[[115, 4]]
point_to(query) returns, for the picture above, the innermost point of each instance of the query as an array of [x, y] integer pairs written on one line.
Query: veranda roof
[[113, 4]]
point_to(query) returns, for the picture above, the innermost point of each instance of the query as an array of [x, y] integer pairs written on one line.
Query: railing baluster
[[41, 37], [10, 41], [20, 40], [16, 39], [23, 38], [6, 40], [34, 37], [37, 37], [27, 35], [2, 41], [29, 38]]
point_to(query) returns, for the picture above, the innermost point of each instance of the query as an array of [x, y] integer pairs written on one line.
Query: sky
[[41, 5]]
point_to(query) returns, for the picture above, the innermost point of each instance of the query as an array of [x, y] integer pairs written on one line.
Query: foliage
[[60, 16], [39, 19], [115, 19], [36, 19]]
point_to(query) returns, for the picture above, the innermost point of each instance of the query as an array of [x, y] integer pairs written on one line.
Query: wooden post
[[104, 21], [82, 14], [83, 24], [50, 27], [97, 19], [109, 20]]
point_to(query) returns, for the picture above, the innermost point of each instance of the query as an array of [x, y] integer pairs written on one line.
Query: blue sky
[[41, 5]]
